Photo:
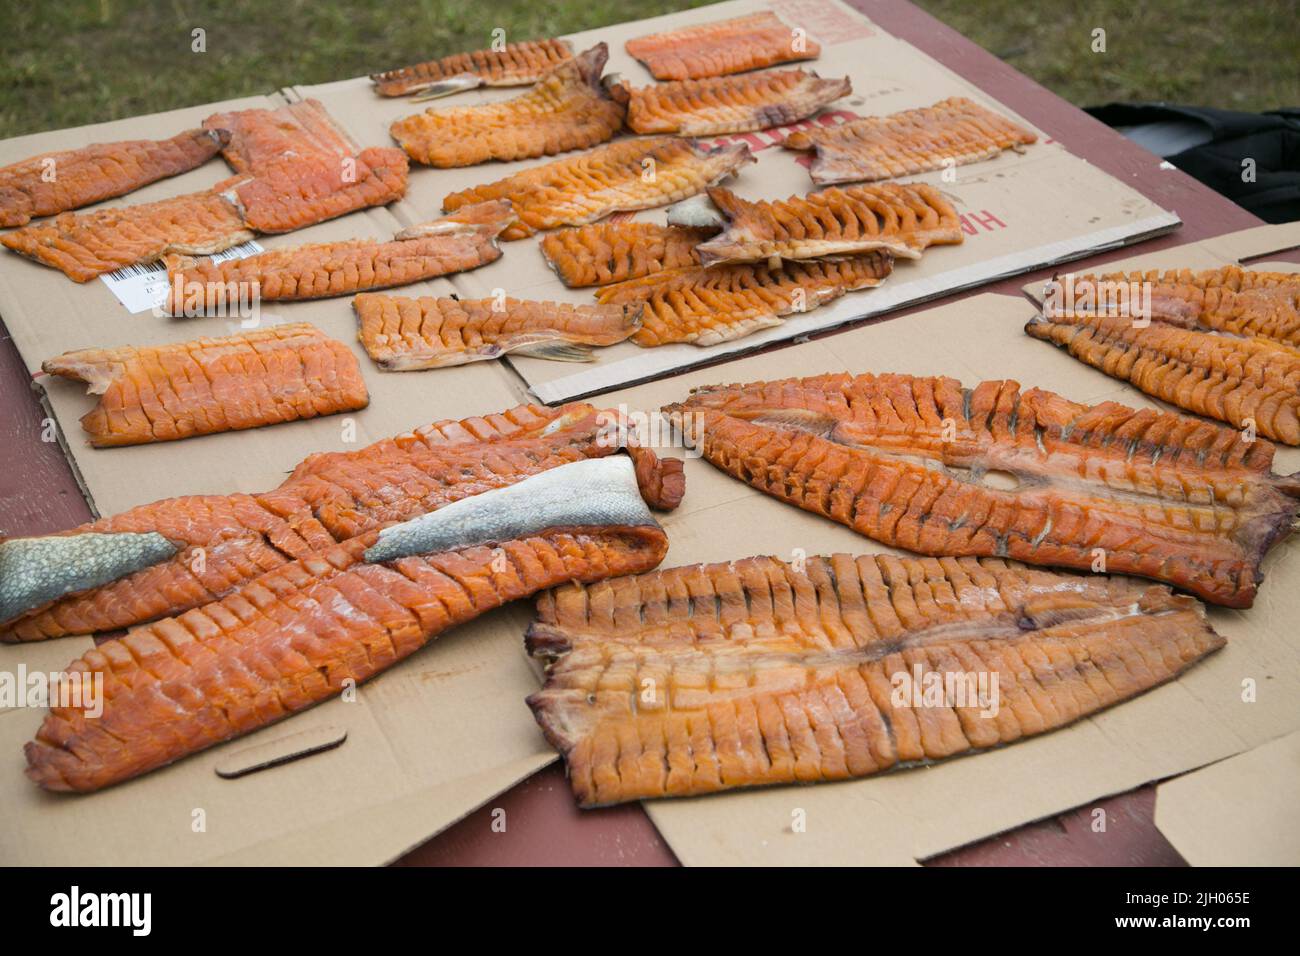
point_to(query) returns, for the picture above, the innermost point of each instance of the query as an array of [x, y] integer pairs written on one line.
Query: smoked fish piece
[[903, 219], [454, 243], [1231, 378], [168, 556], [568, 108], [1229, 299], [404, 334], [518, 64], [622, 176], [722, 47], [299, 634], [57, 182], [927, 465], [698, 679], [956, 130], [608, 252], [707, 306], [208, 385], [262, 141], [731, 104]]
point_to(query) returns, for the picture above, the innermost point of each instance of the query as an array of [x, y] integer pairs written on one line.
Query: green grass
[[70, 62]]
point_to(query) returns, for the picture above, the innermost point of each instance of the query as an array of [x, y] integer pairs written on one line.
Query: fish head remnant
[[592, 492]]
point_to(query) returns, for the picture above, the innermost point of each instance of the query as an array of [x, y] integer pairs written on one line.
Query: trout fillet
[[168, 392], [518, 64], [404, 334], [569, 108], [927, 465], [953, 131], [731, 104], [722, 47], [706, 306], [608, 252], [301, 633], [622, 176], [699, 679], [455, 243], [903, 219], [165, 557], [57, 182]]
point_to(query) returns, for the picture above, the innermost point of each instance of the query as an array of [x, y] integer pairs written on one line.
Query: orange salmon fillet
[[518, 64], [705, 678], [57, 182], [404, 334], [953, 131], [209, 385], [224, 541], [320, 270], [927, 465], [707, 306], [622, 176], [722, 47], [569, 108], [609, 252], [731, 104]]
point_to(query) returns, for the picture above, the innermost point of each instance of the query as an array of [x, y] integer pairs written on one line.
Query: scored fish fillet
[[303, 632], [171, 555], [56, 182], [927, 465], [731, 104], [622, 176], [453, 243], [1228, 299], [722, 47], [953, 131], [517, 64], [609, 252], [1242, 381], [209, 385], [901, 218], [706, 306], [568, 108], [403, 334], [698, 679]]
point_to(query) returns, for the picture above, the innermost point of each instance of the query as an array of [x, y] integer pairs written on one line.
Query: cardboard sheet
[[1020, 211], [1238, 812], [907, 816]]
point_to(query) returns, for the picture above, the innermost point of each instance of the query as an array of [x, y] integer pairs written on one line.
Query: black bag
[[1221, 142]]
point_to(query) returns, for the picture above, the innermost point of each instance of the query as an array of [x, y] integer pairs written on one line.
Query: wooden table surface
[[38, 494]]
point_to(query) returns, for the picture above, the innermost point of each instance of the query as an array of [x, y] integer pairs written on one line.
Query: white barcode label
[[141, 288]]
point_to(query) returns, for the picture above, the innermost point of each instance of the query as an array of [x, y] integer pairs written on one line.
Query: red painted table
[[38, 495]]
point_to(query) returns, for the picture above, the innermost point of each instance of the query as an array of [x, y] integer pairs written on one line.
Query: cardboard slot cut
[[293, 747]]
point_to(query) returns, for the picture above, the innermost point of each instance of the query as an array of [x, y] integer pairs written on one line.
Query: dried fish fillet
[[901, 218], [263, 141], [705, 678], [1238, 380], [569, 108], [454, 243], [1229, 299], [609, 252], [953, 131], [517, 64], [927, 465], [722, 47], [731, 104], [403, 334], [85, 245], [619, 177], [165, 557], [301, 633], [52, 183], [209, 385], [706, 306]]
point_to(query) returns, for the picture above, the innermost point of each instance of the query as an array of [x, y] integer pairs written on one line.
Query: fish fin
[[447, 87], [555, 350]]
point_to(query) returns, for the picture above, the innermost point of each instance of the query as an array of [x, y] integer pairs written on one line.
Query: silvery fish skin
[[35, 571], [597, 491]]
